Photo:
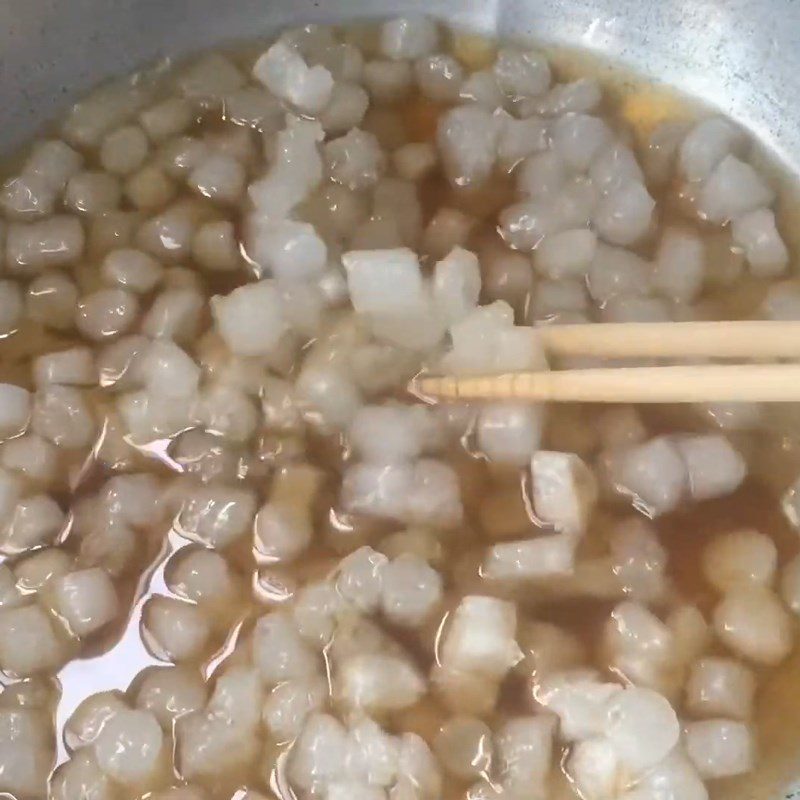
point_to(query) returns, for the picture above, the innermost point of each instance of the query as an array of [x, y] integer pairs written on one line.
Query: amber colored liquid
[[113, 661]]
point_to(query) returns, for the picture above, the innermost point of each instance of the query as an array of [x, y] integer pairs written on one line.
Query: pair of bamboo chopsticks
[[763, 382]]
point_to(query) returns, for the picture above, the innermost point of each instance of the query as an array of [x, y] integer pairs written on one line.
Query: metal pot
[[740, 56]]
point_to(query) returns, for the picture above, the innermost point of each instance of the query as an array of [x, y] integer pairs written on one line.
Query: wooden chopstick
[[739, 339], [767, 383]]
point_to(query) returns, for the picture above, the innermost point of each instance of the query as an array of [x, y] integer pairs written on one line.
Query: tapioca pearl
[[170, 693], [176, 630], [51, 300], [106, 313], [124, 150], [753, 623], [129, 746]]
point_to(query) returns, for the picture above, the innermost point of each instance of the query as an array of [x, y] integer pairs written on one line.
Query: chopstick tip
[[434, 387]]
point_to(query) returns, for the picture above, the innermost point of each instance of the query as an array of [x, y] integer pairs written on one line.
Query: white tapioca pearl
[[753, 623], [129, 746]]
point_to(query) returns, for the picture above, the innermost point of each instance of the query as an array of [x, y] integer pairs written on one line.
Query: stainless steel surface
[[739, 55]]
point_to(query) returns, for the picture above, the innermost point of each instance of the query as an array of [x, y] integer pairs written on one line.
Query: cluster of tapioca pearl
[[160, 390], [52, 601]]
